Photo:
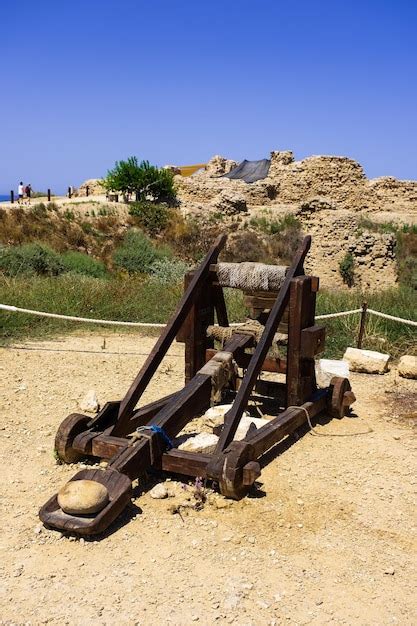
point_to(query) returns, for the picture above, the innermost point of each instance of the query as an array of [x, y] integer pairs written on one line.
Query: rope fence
[[73, 318]]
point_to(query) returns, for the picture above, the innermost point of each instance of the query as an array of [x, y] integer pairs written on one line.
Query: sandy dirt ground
[[329, 539]]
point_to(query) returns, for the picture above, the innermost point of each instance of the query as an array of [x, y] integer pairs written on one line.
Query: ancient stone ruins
[[330, 196]]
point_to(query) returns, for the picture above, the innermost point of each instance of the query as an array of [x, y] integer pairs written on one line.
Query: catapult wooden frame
[[235, 465]]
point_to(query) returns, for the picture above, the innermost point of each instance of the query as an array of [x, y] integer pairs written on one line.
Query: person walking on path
[[28, 191], [20, 192]]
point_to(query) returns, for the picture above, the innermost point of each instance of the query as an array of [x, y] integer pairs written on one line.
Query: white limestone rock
[[248, 423], [367, 361], [407, 367], [83, 497], [215, 415], [327, 368], [203, 442], [90, 402], [159, 492]]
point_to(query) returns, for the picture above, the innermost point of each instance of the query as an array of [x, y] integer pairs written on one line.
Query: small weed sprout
[[347, 269]]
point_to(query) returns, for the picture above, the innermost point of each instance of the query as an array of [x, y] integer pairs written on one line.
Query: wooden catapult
[[135, 440]]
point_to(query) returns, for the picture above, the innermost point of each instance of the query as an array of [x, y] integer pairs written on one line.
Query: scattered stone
[[215, 415], [390, 571], [407, 367], [159, 492], [203, 442], [262, 604], [83, 497], [367, 361], [327, 368], [90, 402], [248, 424]]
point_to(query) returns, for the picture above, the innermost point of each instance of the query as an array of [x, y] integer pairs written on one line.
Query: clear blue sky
[[86, 83]]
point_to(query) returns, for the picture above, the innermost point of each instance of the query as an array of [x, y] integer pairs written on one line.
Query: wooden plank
[[233, 417], [106, 446], [186, 463], [315, 282], [302, 307], [312, 341], [220, 305], [282, 425], [272, 389], [270, 364], [151, 364]]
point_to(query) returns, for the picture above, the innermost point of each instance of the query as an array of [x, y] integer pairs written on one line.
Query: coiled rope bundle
[[251, 276]]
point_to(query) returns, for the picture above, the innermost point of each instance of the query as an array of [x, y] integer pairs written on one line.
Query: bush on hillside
[[153, 218], [137, 253], [79, 263], [30, 259]]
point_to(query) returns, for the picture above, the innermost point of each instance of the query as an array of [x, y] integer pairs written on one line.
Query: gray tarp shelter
[[250, 171]]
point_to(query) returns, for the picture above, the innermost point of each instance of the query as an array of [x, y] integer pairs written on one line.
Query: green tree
[[143, 179]]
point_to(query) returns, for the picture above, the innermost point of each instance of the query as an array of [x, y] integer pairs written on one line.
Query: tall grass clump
[[79, 263], [130, 298], [383, 335], [137, 253]]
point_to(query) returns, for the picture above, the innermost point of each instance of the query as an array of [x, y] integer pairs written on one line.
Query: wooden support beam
[[301, 382], [312, 341], [106, 446], [186, 463], [282, 425], [270, 364]]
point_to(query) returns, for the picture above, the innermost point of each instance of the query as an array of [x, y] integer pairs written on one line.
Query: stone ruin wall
[[329, 195]]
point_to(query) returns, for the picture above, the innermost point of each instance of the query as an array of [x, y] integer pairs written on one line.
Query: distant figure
[[20, 192], [28, 191]]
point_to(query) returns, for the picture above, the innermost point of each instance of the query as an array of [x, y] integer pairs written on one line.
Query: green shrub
[[79, 263], [137, 253], [153, 218], [30, 259], [347, 269]]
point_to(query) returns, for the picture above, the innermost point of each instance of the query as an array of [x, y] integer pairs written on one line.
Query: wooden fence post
[[69, 192], [86, 191], [362, 324], [12, 196], [49, 195]]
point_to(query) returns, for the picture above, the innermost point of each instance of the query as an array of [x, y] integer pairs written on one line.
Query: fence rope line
[[392, 317], [341, 314], [73, 318]]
